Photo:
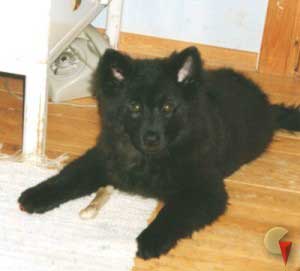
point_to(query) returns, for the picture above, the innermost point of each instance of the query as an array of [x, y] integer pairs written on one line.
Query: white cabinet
[[34, 33]]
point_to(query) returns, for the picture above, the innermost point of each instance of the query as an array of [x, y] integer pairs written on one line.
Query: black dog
[[172, 131]]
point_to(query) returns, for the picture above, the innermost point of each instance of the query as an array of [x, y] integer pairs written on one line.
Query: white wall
[[236, 24]]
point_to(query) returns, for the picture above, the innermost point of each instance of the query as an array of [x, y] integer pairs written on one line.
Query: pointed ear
[[115, 65], [186, 65]]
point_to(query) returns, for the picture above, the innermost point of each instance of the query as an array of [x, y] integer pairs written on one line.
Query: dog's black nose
[[151, 139]]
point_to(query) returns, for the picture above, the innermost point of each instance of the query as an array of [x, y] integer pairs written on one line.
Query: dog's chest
[[144, 177]]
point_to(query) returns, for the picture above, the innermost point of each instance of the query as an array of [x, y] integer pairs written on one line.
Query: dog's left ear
[[186, 65], [115, 66]]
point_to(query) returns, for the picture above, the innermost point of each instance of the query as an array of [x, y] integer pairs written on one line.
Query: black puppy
[[172, 131]]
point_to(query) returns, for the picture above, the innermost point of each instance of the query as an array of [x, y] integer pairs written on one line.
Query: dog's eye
[[135, 107], [167, 108]]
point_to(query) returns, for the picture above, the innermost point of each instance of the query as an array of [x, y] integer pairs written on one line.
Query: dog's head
[[151, 98]]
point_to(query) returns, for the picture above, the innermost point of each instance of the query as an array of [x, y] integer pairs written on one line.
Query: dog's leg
[[180, 217], [102, 195], [81, 177]]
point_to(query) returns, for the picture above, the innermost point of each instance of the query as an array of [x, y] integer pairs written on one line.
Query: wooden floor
[[263, 194]]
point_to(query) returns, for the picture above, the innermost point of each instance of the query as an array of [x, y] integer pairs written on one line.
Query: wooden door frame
[[279, 50]]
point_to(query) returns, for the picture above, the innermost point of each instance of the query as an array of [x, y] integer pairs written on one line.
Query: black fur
[[172, 131], [288, 117]]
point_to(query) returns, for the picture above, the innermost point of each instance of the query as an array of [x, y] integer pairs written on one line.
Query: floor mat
[[60, 240]]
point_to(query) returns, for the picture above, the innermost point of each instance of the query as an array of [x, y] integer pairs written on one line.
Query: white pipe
[[113, 22]]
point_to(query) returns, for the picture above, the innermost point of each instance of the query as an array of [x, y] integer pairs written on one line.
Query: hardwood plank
[[13, 83], [68, 135], [285, 143], [236, 239], [146, 46], [274, 84], [273, 170], [70, 129]]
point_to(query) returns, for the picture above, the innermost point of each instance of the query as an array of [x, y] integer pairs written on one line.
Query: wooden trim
[[278, 39], [146, 46], [293, 61]]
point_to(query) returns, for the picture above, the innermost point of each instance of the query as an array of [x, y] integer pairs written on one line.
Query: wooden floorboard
[[275, 169], [263, 194], [147, 46], [235, 241]]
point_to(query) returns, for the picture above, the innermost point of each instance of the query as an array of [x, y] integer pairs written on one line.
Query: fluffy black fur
[[172, 131]]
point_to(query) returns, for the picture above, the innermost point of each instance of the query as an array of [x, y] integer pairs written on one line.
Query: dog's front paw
[[38, 199], [153, 243]]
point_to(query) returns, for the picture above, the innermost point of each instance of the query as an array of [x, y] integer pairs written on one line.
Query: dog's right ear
[[115, 66], [186, 66]]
